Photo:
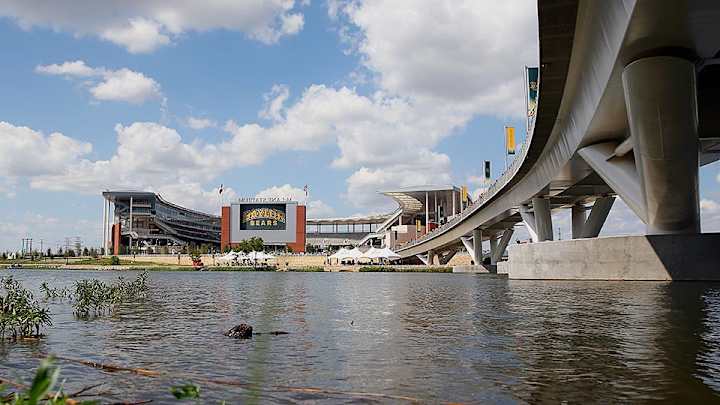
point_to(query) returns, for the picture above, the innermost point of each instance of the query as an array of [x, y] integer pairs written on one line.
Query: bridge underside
[[627, 107]]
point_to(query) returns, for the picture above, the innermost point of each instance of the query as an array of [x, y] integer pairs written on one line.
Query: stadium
[[144, 222]]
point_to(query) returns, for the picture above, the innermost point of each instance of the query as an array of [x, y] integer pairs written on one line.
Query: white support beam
[[618, 172], [493, 248], [597, 217], [578, 218], [467, 242], [529, 222], [543, 218], [497, 254], [104, 225], [477, 246], [423, 258]]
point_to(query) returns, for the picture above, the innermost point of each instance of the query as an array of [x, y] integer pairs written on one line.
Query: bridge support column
[[598, 215], [660, 94], [578, 220], [493, 248], [529, 222], [497, 247], [543, 219], [590, 226], [477, 246]]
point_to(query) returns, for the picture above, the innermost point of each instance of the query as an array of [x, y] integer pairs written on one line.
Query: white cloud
[[274, 103], [144, 26], [74, 68], [138, 35], [108, 85], [126, 85], [315, 208], [25, 152], [200, 123], [364, 184], [472, 57]]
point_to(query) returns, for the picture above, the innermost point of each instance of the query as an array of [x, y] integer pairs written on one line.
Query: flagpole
[[506, 145]]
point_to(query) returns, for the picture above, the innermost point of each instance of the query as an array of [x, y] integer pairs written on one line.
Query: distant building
[[421, 209], [145, 222], [334, 233], [279, 222]]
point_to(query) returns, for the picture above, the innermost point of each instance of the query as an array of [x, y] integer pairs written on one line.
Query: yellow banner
[[510, 140], [464, 194], [418, 225]]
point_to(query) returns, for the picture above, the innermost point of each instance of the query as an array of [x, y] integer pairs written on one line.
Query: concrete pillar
[[427, 213], [502, 245], [493, 248], [598, 215], [661, 100], [528, 218], [578, 220], [543, 219], [454, 211], [104, 225], [477, 246]]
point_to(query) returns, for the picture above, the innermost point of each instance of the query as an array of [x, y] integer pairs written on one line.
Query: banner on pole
[[464, 194], [510, 140], [487, 171], [532, 75]]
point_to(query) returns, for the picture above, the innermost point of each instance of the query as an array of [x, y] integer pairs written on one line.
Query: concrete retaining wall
[[652, 257], [209, 260]]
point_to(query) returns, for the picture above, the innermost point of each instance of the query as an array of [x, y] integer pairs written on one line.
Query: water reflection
[[434, 337]]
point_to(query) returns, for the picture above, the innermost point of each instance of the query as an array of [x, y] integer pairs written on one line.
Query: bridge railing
[[485, 196]]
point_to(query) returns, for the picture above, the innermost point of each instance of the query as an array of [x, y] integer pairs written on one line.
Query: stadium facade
[[144, 222]]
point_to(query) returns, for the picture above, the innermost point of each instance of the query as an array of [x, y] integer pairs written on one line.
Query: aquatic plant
[[40, 392], [95, 297], [55, 293], [187, 391], [20, 313]]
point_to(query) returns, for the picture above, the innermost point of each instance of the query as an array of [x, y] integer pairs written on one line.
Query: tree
[[85, 252], [49, 253]]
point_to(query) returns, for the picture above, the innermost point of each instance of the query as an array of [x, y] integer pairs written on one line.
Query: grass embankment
[[113, 261], [388, 269], [241, 268], [307, 269]]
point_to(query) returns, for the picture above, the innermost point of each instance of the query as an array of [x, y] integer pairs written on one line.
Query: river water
[[389, 338]]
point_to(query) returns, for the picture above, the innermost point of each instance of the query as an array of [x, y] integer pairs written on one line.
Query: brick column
[[224, 228]]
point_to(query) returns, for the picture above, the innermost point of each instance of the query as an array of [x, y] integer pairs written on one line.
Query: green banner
[[532, 74]]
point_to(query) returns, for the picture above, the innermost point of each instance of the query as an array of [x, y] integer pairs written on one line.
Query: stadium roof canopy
[[412, 199]]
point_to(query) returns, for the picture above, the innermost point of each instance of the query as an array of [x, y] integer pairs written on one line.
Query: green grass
[[107, 261], [386, 269], [241, 268], [307, 269]]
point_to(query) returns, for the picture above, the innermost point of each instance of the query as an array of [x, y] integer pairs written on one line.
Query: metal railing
[[488, 194]]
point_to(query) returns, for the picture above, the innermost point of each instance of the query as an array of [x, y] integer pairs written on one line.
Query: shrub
[[419, 269], [307, 269], [114, 261], [20, 313]]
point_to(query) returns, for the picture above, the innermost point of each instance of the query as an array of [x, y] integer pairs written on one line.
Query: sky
[[348, 97]]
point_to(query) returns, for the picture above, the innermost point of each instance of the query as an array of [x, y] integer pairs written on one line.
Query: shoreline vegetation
[[119, 264]]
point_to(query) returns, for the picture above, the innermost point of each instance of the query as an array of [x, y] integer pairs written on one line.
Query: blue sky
[[261, 96]]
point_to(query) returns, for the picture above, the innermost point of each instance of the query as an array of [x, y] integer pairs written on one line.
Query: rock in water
[[242, 331]]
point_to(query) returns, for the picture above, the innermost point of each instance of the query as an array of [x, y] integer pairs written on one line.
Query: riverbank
[[302, 269]]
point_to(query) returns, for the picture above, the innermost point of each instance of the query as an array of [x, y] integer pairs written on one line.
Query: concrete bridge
[[628, 106]]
